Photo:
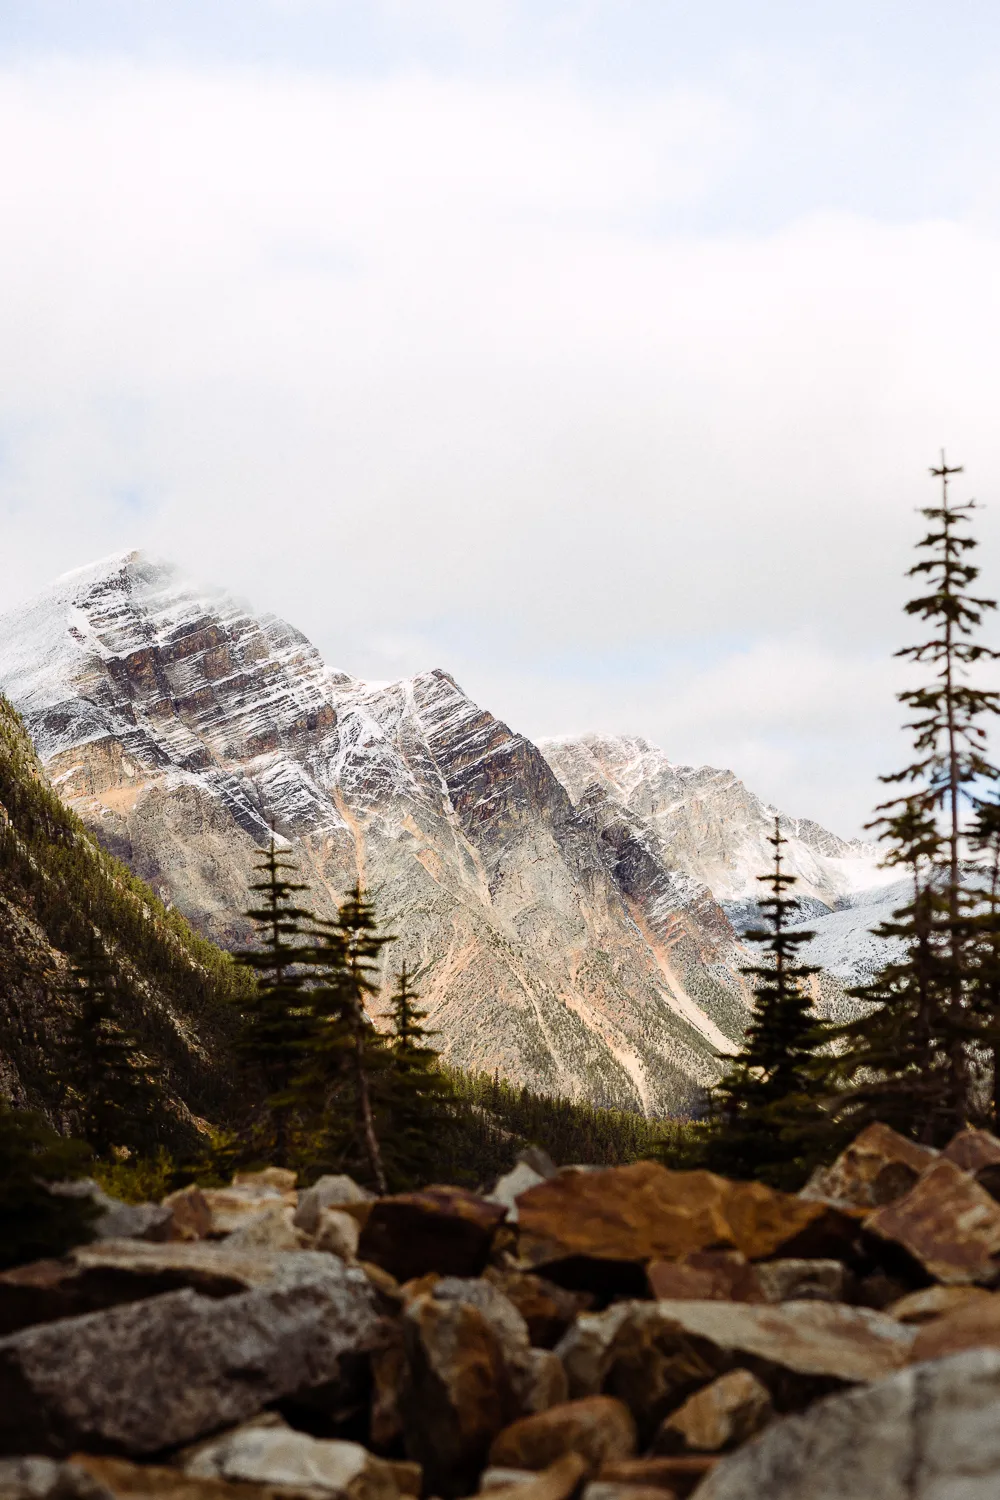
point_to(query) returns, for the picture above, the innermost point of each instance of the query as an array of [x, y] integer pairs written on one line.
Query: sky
[[593, 350]]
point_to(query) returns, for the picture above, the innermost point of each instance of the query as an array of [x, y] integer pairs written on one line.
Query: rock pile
[[628, 1333]]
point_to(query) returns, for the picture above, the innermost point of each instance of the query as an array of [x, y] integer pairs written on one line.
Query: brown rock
[[935, 1302], [718, 1417], [153, 1482], [876, 1168], [682, 1475], [804, 1281], [337, 1233], [557, 1482], [442, 1229], [645, 1212], [408, 1477], [538, 1379], [947, 1223], [972, 1149], [190, 1215], [270, 1229], [607, 1489], [272, 1453], [707, 1275], [547, 1309], [598, 1428], [975, 1325], [231, 1207], [455, 1394], [665, 1351], [585, 1348], [280, 1179]]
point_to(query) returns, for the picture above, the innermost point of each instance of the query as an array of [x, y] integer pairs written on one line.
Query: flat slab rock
[[926, 1433], [160, 1373], [947, 1223]]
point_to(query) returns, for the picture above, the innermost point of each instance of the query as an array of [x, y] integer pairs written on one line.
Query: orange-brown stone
[[599, 1428], [947, 1223]]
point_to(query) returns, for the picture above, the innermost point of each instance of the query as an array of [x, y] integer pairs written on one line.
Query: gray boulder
[[117, 1220], [929, 1432], [44, 1479], [156, 1374], [327, 1192]]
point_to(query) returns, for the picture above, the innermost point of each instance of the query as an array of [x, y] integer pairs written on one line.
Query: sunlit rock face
[[562, 927]]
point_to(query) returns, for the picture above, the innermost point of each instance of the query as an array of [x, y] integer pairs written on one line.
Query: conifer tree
[[344, 1053], [277, 1019], [107, 1083], [908, 1059], [34, 1222], [766, 1117], [420, 1103]]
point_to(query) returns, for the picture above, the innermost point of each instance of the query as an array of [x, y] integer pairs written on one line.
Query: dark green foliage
[[35, 1223], [910, 1059], [57, 888], [417, 1102], [766, 1119], [277, 1016], [110, 1090]]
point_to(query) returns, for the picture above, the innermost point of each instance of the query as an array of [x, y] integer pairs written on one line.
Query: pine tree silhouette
[[420, 1103], [767, 1119], [277, 1019], [909, 1059]]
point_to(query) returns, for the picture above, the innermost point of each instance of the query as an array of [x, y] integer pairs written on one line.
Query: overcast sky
[[595, 350]]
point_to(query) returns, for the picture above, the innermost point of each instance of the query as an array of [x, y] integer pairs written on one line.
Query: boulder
[[946, 1223], [935, 1302], [111, 1272], [279, 1179], [547, 1309], [44, 1479], [971, 1325], [720, 1416], [925, 1433], [617, 1216], [327, 1192], [510, 1187], [275, 1454], [804, 1280], [158, 1373], [598, 1428], [337, 1233], [190, 1215], [978, 1152], [679, 1476], [231, 1207], [443, 1229], [878, 1167], [501, 1314], [117, 1220], [129, 1481], [495, 1478], [455, 1393], [664, 1351], [558, 1482], [270, 1229], [538, 1379], [708, 1275], [585, 1348]]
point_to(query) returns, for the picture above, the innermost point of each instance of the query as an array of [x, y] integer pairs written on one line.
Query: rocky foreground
[[629, 1333]]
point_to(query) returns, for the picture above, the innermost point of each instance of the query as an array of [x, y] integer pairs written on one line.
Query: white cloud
[[420, 364]]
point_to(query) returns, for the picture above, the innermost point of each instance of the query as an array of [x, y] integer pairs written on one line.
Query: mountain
[[555, 905], [57, 886]]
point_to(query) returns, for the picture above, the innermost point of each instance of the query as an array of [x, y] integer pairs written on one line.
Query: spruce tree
[[908, 1059], [767, 1120], [107, 1084], [34, 1222], [420, 1103], [277, 1019]]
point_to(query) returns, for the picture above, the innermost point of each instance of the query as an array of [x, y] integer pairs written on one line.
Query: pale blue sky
[[594, 351]]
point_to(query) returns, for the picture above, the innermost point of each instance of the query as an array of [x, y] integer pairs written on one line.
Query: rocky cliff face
[[555, 905]]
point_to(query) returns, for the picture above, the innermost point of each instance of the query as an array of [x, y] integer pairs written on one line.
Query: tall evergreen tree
[[34, 1222], [420, 1103], [107, 1084], [909, 1058], [767, 1120], [277, 1019]]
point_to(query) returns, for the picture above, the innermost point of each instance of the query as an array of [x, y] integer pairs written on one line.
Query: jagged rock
[[271, 1229], [538, 1379], [804, 1280], [646, 1212], [409, 1476], [548, 1310], [327, 1192], [598, 1428], [443, 1229], [498, 1310], [117, 1220], [707, 1275], [947, 1223], [665, 1351], [455, 1394], [231, 1207], [190, 1214], [878, 1167], [558, 1482], [679, 1476], [972, 1325], [44, 1479], [978, 1152], [111, 1272], [155, 1374], [275, 1454], [510, 1187], [585, 1348], [923, 1434], [338, 1233], [935, 1302], [720, 1416]]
